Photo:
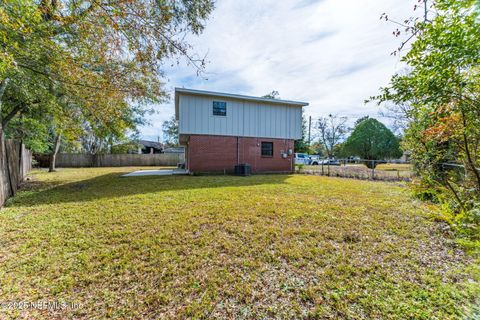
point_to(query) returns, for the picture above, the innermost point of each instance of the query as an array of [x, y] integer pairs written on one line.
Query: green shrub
[[300, 167]]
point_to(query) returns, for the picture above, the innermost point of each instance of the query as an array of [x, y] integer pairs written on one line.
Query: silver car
[[330, 162]]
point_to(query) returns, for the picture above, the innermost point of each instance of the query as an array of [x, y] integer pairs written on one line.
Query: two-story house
[[221, 130]]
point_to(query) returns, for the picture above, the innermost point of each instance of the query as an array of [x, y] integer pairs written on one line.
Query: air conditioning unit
[[243, 169]]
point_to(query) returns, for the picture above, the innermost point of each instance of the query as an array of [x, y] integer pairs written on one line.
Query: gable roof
[[179, 91], [151, 144]]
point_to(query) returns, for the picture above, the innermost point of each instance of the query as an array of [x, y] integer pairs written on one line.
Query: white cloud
[[333, 54]]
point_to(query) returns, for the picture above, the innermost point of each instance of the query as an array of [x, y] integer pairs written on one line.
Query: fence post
[[322, 168], [328, 169], [373, 170]]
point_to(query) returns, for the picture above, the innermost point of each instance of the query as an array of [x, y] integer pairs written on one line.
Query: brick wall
[[219, 153]]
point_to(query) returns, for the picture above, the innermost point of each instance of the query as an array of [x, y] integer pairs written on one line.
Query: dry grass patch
[[383, 172], [394, 167], [274, 246]]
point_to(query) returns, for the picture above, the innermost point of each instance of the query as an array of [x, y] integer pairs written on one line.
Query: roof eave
[[233, 96]]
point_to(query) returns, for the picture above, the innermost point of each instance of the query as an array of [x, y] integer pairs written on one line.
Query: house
[[149, 147], [174, 150], [221, 130]]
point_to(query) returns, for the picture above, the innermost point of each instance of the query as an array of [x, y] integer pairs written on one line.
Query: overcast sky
[[331, 53]]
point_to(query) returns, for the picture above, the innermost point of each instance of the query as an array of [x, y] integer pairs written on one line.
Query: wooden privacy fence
[[15, 163], [77, 160]]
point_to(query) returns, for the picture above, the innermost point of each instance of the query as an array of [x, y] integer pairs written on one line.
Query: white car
[[331, 162], [315, 160], [301, 158]]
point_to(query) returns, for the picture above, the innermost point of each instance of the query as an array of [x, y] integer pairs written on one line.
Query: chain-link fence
[[457, 173], [360, 169]]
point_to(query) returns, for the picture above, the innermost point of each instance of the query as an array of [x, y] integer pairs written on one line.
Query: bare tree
[[272, 95], [410, 27], [398, 115], [332, 130]]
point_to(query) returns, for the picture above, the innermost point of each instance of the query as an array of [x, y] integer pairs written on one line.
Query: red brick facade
[[205, 153]]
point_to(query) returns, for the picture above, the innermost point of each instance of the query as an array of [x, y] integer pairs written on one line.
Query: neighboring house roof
[[151, 144], [179, 91]]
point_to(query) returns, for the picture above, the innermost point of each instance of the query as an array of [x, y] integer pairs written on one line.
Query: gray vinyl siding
[[244, 118]]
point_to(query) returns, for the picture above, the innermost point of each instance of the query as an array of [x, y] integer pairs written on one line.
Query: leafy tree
[[170, 132], [301, 145], [360, 120], [317, 148], [372, 140], [92, 61], [332, 130], [127, 145], [442, 93], [340, 151]]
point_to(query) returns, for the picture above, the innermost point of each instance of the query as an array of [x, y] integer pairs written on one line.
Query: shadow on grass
[[112, 185]]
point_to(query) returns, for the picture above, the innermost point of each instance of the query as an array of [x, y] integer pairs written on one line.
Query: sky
[[333, 54]]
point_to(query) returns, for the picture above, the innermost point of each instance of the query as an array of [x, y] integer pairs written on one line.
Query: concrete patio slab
[[163, 172]]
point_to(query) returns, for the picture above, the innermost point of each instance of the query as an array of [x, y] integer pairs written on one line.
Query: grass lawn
[[274, 246]]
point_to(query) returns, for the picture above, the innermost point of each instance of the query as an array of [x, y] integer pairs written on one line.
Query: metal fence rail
[[376, 170], [362, 169], [458, 172]]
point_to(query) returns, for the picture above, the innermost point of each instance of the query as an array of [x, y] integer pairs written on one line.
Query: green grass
[[273, 246]]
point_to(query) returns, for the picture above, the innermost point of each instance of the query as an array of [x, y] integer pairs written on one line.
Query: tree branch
[[452, 189], [3, 86], [75, 18], [64, 81], [471, 163], [12, 114]]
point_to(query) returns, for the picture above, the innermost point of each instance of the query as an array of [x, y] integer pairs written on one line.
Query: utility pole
[[309, 129], [425, 17]]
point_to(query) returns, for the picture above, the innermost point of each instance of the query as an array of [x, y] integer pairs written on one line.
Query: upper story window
[[219, 108], [267, 149]]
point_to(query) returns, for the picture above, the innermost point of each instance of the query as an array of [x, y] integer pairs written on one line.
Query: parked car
[[302, 158], [330, 162], [353, 159], [315, 160]]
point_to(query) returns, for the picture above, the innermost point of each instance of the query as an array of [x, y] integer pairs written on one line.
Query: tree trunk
[[53, 156], [471, 162]]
